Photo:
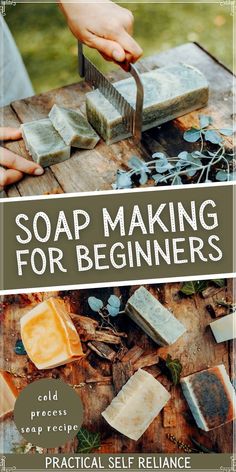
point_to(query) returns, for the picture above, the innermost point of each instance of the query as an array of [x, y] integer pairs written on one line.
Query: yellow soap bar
[[8, 394], [49, 335]]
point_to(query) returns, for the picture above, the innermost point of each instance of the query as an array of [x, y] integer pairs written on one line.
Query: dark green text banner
[[117, 237]]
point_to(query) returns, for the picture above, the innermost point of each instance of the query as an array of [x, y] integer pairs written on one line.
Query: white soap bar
[[136, 405], [158, 322], [44, 143], [210, 396], [224, 329], [73, 127]]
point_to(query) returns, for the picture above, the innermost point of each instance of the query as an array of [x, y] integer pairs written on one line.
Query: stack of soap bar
[[224, 329], [211, 397], [44, 143], [73, 127], [8, 394], [49, 336], [169, 92], [136, 405], [145, 310]]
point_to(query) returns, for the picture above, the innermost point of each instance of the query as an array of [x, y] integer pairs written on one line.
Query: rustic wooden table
[[95, 170]]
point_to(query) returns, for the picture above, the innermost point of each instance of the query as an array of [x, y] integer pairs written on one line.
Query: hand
[[16, 166], [104, 26]]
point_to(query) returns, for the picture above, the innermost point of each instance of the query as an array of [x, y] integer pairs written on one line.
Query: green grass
[[50, 53]]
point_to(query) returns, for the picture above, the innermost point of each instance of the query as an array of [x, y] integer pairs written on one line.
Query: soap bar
[[136, 405], [224, 329], [8, 394], [158, 322], [169, 92], [44, 143], [73, 127], [49, 335], [211, 397]]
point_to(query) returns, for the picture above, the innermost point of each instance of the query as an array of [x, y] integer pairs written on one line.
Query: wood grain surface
[[96, 169], [98, 379]]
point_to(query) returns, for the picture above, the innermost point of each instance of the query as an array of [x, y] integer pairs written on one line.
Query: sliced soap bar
[[210, 396], [8, 394], [73, 127], [49, 336], [158, 322], [224, 329], [136, 405], [44, 143], [169, 92]]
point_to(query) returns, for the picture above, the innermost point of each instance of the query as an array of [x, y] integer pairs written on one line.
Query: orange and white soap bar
[[49, 335], [8, 394]]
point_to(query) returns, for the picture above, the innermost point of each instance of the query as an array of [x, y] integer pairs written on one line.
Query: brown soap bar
[[211, 397]]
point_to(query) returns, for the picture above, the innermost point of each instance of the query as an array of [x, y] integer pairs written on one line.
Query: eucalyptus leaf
[[160, 155], [95, 304], [143, 178], [123, 180], [221, 175], [192, 135], [112, 310], [113, 300], [232, 176], [212, 136], [226, 131], [157, 177], [177, 180], [205, 121]]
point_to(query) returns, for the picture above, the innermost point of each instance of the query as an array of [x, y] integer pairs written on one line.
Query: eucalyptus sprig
[[112, 308], [196, 165]]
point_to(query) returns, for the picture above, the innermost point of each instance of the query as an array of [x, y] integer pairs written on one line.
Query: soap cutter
[[132, 117]]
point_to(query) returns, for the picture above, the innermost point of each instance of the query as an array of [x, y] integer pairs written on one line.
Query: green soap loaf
[[44, 143], [169, 92], [73, 127]]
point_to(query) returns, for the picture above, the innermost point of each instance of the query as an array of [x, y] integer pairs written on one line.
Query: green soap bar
[[169, 92], [158, 322], [73, 127], [44, 143]]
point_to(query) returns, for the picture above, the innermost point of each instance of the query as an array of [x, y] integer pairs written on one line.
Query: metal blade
[[98, 80]]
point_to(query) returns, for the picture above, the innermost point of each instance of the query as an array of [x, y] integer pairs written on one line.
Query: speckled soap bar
[[169, 92], [158, 322], [44, 143], [210, 396], [73, 127]]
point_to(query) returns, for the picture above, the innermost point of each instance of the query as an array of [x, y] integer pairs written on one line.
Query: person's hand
[[12, 166], [104, 26]]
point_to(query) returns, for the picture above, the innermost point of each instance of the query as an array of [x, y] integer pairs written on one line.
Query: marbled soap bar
[[136, 405], [158, 322], [8, 394], [224, 329], [73, 127], [210, 396], [44, 143], [49, 335], [169, 92]]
